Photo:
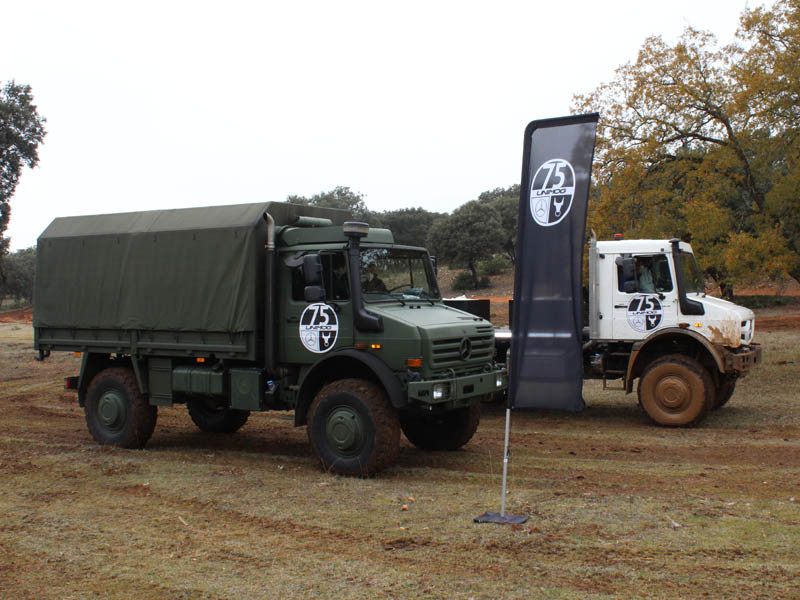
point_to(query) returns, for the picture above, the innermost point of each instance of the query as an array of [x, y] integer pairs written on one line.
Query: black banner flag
[[547, 319]]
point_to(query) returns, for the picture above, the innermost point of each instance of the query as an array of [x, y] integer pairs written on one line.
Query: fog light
[[439, 391], [498, 380]]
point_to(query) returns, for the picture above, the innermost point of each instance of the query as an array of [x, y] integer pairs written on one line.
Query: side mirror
[[312, 269], [314, 293], [628, 264]]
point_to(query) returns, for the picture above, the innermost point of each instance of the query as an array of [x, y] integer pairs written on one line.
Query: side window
[[620, 279], [334, 276], [661, 276], [337, 284], [652, 274], [298, 283]]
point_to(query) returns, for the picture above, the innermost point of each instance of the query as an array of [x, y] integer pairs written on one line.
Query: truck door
[[654, 304], [313, 329]]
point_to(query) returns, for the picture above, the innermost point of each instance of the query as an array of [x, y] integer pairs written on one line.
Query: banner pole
[[505, 463]]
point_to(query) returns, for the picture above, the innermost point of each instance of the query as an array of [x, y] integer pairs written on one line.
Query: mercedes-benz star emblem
[[466, 349]]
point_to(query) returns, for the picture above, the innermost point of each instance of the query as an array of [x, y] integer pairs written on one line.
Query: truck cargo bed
[[233, 345]]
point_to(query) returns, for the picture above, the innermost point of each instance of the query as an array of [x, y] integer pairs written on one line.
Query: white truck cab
[[635, 312], [650, 318]]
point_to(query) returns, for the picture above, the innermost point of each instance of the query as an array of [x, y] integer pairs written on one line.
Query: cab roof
[[639, 247]]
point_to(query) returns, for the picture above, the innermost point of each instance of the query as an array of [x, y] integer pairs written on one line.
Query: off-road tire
[[353, 428], [213, 419], [676, 391], [117, 414], [724, 391], [446, 431]]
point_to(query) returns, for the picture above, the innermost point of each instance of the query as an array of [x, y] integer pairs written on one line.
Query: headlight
[[499, 380], [440, 390]]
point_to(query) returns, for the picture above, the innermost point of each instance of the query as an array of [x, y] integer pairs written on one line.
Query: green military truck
[[252, 307]]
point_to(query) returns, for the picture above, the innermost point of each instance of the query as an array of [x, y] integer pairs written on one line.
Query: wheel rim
[[673, 393], [344, 430], [112, 410]]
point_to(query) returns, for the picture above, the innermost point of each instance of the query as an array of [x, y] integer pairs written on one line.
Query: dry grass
[[619, 508]]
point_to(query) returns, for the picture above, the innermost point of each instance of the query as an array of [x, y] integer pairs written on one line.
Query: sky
[[171, 104]]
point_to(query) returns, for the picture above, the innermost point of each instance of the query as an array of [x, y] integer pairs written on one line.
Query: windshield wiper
[[398, 297], [386, 298], [424, 296]]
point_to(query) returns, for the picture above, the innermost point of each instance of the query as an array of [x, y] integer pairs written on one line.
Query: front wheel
[[724, 391], [676, 391], [117, 414], [353, 428], [446, 431], [210, 417]]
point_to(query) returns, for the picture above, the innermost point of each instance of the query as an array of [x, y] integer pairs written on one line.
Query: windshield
[[692, 280], [393, 273]]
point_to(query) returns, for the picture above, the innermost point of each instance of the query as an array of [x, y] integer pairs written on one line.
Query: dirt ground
[[617, 508]]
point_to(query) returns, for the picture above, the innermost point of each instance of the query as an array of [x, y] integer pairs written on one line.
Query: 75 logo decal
[[552, 191], [645, 312], [319, 327]]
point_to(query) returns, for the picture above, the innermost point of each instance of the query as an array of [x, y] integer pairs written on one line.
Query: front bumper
[[457, 390], [743, 358]]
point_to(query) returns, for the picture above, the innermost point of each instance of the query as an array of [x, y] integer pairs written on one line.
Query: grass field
[[618, 508]]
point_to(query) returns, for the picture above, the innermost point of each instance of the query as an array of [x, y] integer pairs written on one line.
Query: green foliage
[[494, 266], [702, 143], [20, 269], [471, 234], [409, 226], [505, 201], [21, 132], [464, 281], [339, 197]]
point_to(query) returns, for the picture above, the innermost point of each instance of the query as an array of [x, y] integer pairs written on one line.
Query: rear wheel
[[117, 414], [210, 417], [446, 431], [676, 390], [353, 428]]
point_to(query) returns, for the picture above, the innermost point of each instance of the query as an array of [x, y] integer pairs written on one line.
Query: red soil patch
[[23, 315], [780, 323]]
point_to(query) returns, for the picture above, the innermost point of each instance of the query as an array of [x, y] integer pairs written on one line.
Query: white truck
[[650, 319]]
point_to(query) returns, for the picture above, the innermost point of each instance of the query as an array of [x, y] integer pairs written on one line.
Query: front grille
[[448, 352]]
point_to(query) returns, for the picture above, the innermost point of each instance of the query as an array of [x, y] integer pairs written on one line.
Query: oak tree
[[700, 142], [21, 132], [472, 233]]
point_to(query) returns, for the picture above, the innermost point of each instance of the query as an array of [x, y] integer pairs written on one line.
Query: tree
[[471, 234], [21, 132], [409, 226], [20, 268], [701, 143], [339, 197], [505, 202], [769, 70]]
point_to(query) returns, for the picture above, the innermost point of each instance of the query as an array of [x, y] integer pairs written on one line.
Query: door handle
[[620, 305]]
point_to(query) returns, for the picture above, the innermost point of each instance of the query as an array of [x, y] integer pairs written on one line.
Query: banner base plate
[[493, 517]]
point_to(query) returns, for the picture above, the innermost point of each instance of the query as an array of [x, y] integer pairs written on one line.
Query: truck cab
[[363, 307], [650, 318]]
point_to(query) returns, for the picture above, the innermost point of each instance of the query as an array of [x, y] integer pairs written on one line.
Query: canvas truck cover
[[193, 269]]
